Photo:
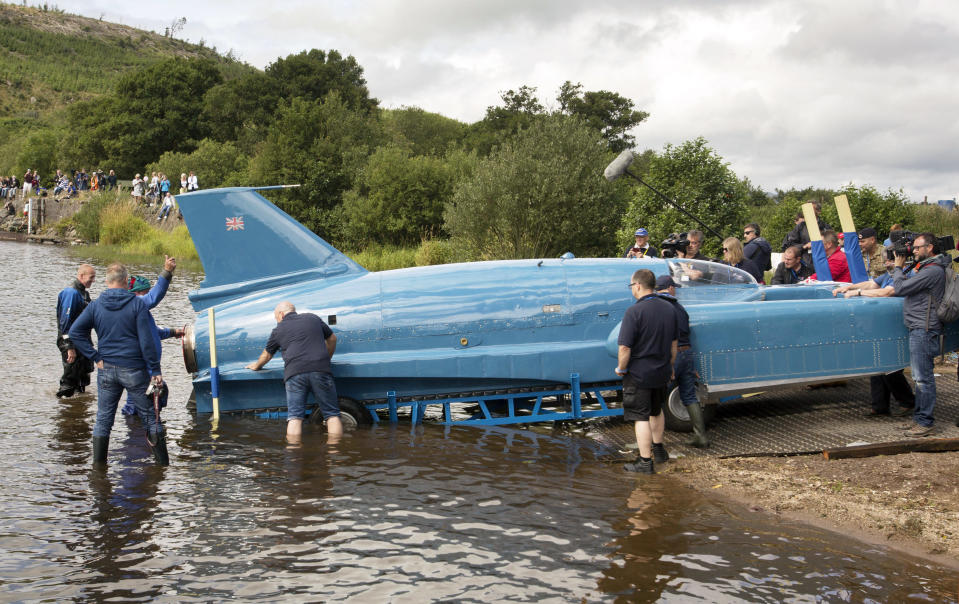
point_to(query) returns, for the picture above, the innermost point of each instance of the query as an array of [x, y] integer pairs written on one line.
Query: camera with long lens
[[676, 242], [901, 244]]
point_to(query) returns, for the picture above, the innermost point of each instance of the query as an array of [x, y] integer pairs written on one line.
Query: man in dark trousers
[[126, 357], [685, 367], [70, 303], [308, 345], [647, 352]]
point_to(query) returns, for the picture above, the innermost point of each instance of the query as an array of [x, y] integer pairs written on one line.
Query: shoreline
[[909, 502]]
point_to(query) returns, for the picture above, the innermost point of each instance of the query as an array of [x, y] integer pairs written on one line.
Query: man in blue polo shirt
[[307, 343], [648, 343]]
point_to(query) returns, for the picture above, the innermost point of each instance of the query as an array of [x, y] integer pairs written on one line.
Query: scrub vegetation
[[393, 187]]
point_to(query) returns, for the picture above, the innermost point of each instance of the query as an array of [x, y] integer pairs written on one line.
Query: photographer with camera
[[922, 290], [675, 246], [695, 238], [641, 249]]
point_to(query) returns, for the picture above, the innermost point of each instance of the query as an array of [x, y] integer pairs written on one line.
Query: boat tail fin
[[248, 244]]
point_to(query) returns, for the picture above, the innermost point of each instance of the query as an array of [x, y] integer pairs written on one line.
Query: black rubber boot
[[159, 450], [659, 453], [699, 439], [640, 466], [101, 445]]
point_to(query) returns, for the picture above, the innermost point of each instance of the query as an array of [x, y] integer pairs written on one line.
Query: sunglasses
[[748, 232]]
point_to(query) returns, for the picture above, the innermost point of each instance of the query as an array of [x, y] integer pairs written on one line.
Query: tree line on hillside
[[524, 181]]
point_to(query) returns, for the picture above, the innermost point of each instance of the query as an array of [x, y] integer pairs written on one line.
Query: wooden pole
[[929, 445], [214, 370]]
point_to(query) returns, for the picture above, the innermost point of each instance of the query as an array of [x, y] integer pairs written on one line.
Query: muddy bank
[[906, 501]]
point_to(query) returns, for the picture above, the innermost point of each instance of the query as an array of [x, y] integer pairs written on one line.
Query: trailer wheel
[[677, 417], [352, 414]]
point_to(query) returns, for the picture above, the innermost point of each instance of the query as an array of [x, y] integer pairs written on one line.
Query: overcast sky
[[790, 93]]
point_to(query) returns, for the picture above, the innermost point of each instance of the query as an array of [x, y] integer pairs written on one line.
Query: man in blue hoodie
[[126, 359]]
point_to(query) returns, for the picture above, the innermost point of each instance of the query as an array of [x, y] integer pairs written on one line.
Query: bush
[[87, 220], [119, 225], [434, 251], [385, 258]]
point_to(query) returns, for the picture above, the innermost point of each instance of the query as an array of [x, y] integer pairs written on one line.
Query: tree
[[538, 195], [241, 108], [39, 153], [701, 182], [607, 112], [519, 109], [215, 164], [313, 74], [423, 132], [153, 110], [320, 145], [399, 198]]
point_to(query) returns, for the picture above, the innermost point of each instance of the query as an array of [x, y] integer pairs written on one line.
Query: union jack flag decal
[[234, 224]]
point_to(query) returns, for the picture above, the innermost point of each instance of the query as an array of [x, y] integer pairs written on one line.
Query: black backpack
[[948, 310]]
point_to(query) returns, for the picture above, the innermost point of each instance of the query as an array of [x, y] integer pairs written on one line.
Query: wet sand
[[908, 502]]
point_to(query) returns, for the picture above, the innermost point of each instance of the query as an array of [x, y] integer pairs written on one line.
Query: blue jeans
[[685, 370], [111, 382], [923, 348], [299, 387]]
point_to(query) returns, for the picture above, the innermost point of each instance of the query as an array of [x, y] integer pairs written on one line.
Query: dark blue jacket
[[125, 331], [759, 251], [70, 303]]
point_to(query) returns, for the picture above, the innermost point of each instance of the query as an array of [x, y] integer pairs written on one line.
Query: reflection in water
[[382, 514]]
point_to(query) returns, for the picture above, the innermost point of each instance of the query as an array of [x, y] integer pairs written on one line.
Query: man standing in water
[[126, 357], [70, 303], [308, 344], [648, 343]]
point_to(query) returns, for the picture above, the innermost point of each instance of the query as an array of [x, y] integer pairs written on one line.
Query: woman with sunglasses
[[733, 256]]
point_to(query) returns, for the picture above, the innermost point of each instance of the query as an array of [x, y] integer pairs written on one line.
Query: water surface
[[395, 514]]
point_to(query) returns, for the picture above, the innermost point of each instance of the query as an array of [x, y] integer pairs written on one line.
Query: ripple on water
[[385, 515]]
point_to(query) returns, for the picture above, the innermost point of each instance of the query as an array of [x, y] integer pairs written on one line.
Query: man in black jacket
[[756, 248], [793, 268]]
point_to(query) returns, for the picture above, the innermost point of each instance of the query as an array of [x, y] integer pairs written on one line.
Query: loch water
[[387, 514]]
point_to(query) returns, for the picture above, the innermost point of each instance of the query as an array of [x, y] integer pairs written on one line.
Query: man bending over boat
[[307, 343]]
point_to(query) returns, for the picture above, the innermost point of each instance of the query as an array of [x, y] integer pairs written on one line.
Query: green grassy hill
[[49, 58]]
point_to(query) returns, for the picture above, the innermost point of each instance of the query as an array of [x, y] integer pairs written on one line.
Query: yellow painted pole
[[857, 264], [214, 371], [845, 216], [812, 223]]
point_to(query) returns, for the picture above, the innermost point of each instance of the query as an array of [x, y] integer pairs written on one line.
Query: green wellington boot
[[699, 439]]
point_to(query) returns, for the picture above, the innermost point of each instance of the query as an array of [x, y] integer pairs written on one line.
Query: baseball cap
[[641, 233], [664, 282]]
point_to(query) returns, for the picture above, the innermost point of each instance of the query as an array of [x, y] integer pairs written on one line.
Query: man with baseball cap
[[684, 368], [872, 252], [641, 249]]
